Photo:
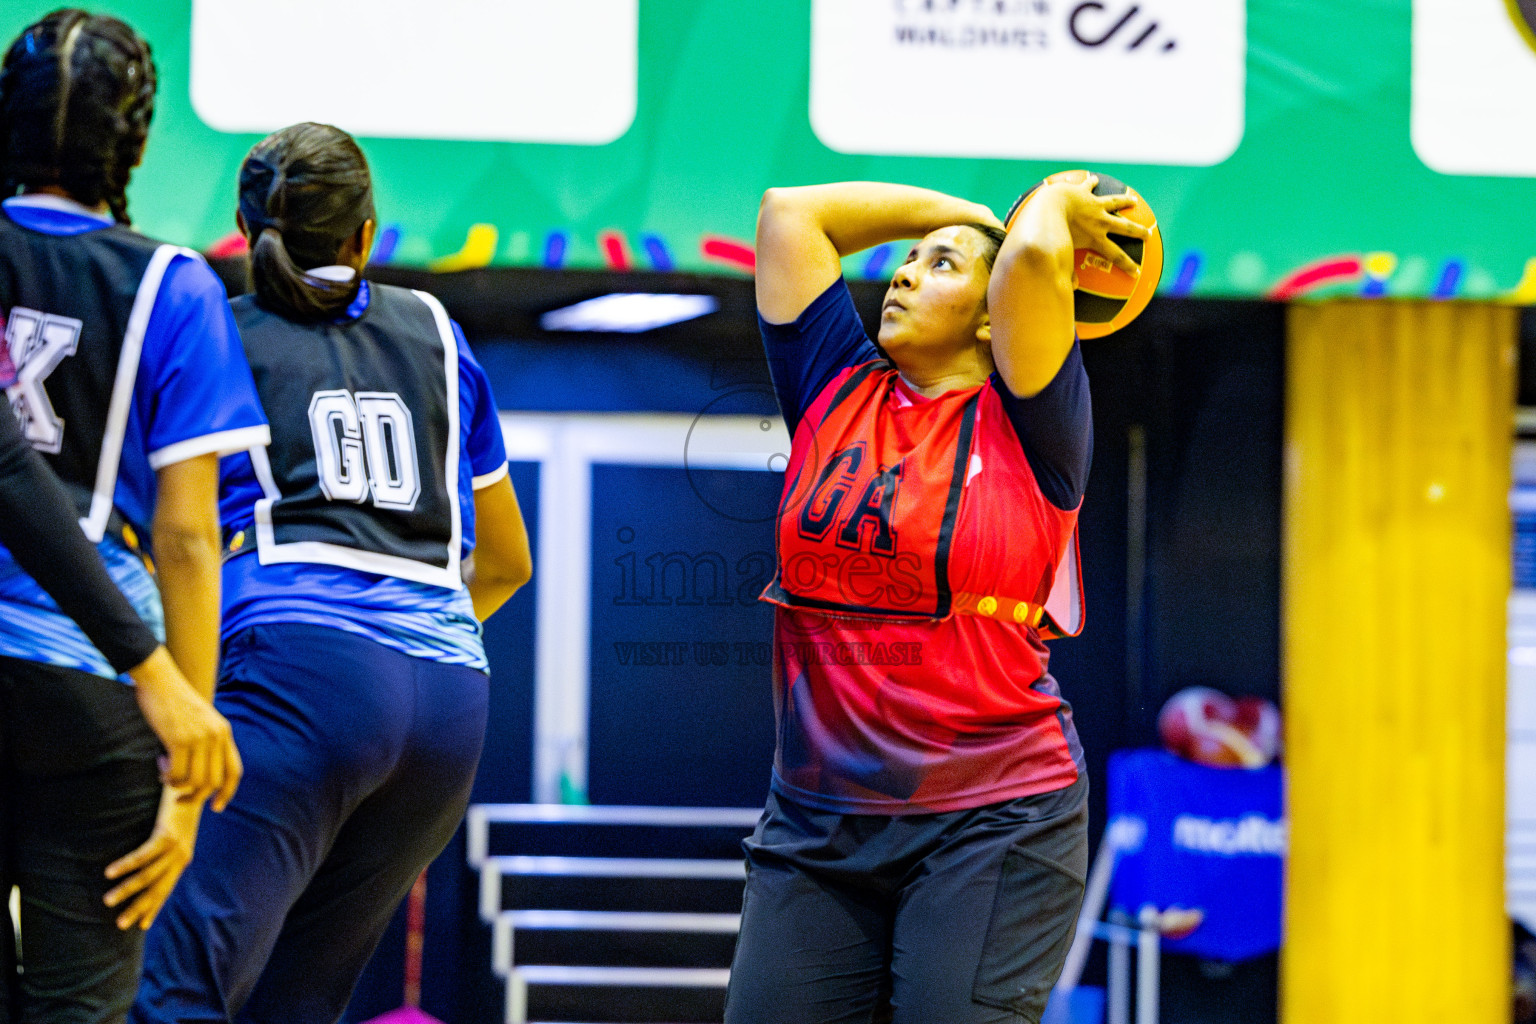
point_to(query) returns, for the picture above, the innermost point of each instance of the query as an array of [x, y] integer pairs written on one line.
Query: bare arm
[[197, 738], [186, 539], [502, 561], [1029, 299], [187, 556], [803, 233]]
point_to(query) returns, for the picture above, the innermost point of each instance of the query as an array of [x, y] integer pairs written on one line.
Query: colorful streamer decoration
[[1524, 293], [1374, 269], [232, 244], [1378, 267], [1184, 281], [479, 246], [657, 252], [385, 245], [1331, 270], [554, 250], [874, 266], [729, 251], [1450, 280], [615, 249]]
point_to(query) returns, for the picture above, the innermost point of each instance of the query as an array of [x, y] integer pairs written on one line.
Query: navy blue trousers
[[358, 767]]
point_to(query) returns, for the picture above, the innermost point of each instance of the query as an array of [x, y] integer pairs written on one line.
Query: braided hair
[[304, 191], [77, 92]]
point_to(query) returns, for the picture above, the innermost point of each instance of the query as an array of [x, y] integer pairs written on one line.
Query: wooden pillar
[[1396, 574]]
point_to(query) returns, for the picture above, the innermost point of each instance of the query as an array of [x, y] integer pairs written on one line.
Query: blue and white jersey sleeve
[[197, 385], [485, 450], [485, 453], [194, 394]]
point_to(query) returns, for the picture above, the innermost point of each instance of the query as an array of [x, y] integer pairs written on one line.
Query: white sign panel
[[561, 71], [1134, 81], [1474, 86]]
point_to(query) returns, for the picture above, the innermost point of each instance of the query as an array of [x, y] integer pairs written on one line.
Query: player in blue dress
[[130, 381], [354, 673]]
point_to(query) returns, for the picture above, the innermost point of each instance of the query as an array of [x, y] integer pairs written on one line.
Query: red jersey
[[920, 566]]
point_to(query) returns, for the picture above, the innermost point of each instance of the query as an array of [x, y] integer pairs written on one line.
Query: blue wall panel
[[681, 710], [506, 766]]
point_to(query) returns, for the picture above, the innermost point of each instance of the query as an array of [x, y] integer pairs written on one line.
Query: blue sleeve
[[194, 389], [806, 353], [1055, 429], [483, 446], [239, 491]]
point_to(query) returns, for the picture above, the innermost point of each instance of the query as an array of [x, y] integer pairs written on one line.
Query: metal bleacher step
[[713, 832], [626, 915], [609, 883], [616, 994], [626, 938], [641, 977]]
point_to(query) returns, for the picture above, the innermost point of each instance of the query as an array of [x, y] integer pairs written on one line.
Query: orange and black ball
[[1107, 298]]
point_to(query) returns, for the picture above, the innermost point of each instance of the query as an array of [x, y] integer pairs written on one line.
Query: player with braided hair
[[130, 380], [79, 99]]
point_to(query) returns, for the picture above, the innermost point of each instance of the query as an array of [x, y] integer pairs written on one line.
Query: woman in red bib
[[922, 855]]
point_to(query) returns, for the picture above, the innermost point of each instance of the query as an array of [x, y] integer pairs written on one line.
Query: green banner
[[1289, 147]]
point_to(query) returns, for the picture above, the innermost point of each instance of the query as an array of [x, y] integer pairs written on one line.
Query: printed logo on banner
[[1159, 81], [492, 70], [1474, 73], [1251, 835]]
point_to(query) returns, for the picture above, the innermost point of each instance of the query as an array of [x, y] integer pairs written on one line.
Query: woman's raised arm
[[1030, 296], [803, 233]]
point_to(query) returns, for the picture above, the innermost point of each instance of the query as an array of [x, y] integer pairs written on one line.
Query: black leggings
[[78, 789], [963, 917]]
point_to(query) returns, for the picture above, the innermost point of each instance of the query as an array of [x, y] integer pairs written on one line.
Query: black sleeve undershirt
[[804, 354], [38, 527], [1055, 429]]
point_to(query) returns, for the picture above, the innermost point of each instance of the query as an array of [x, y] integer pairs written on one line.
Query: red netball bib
[[878, 495]]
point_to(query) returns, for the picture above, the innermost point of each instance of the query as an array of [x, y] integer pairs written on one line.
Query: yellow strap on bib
[[1004, 609]]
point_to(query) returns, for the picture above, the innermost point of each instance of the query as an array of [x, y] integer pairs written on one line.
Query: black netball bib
[[363, 467], [76, 308]]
